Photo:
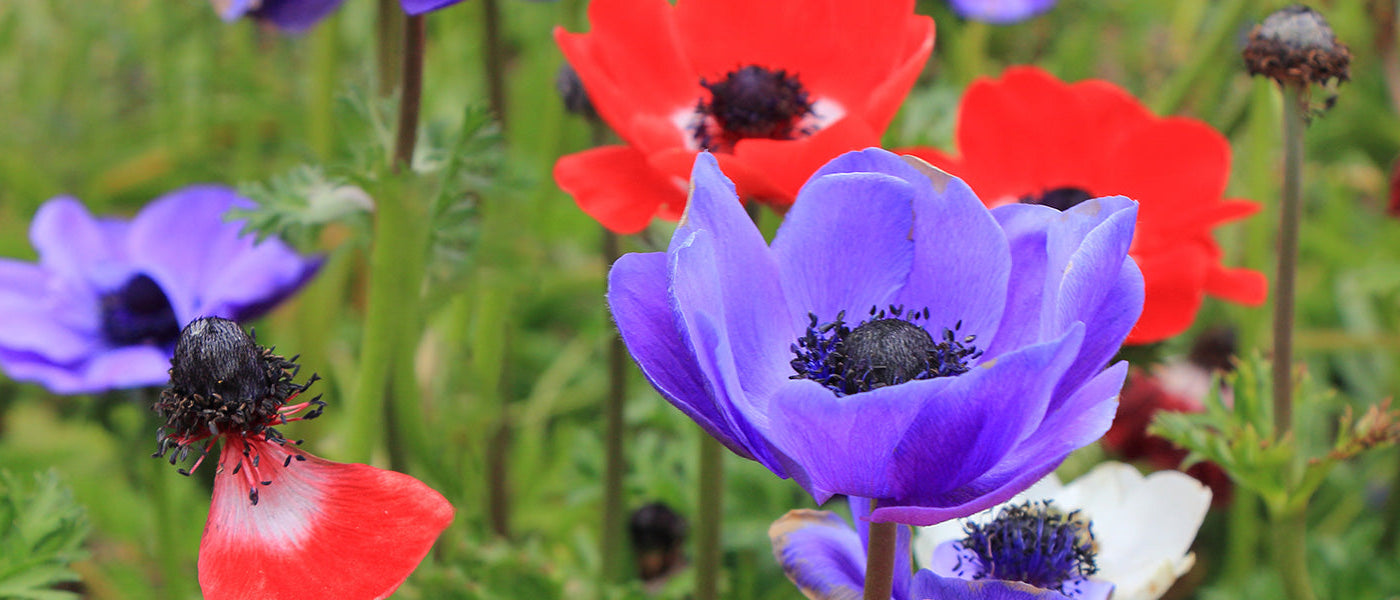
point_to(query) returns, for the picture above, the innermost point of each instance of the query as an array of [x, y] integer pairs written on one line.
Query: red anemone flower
[[774, 88], [1029, 137], [283, 523]]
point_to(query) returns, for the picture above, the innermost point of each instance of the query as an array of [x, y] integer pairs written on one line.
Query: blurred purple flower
[[826, 558], [979, 368], [296, 16], [1000, 12], [104, 306]]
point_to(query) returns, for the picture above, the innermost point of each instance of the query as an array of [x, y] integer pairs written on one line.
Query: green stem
[[495, 59], [412, 92], [879, 561], [1206, 55], [388, 36], [1242, 545], [166, 541], [970, 51], [1390, 535], [1294, 99], [1290, 553], [324, 69], [610, 542], [709, 518]]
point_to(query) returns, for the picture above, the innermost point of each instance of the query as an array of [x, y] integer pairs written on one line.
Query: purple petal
[[951, 559], [418, 7], [292, 16], [74, 245], [730, 277], [640, 305], [132, 366], [820, 553], [974, 424], [928, 586], [1000, 12], [845, 245]]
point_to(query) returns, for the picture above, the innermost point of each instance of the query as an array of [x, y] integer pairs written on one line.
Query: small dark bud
[[1295, 45], [658, 536], [572, 92]]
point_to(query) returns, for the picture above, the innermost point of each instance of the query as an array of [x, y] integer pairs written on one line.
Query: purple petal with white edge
[[639, 301], [845, 245], [975, 423], [820, 553], [295, 16], [709, 298], [903, 557], [928, 586], [1078, 421], [1000, 12], [739, 288], [961, 257], [72, 244], [418, 7]]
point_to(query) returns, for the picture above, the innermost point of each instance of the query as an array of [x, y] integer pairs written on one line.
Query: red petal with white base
[[320, 529]]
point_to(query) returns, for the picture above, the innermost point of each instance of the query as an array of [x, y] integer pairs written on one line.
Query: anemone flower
[[774, 89], [1031, 138], [898, 341], [103, 307], [284, 524], [295, 16], [825, 558], [1000, 12], [1142, 529]]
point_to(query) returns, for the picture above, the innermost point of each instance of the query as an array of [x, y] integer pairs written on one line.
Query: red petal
[[1174, 282], [787, 164], [1237, 285], [617, 186], [320, 531]]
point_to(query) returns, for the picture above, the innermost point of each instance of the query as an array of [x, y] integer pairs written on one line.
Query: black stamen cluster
[[1033, 543], [138, 313], [886, 349], [223, 383], [1062, 199], [751, 102]]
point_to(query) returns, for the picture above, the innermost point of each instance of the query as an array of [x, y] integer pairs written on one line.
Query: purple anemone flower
[[825, 557], [296, 16], [898, 341], [103, 307], [1000, 12]]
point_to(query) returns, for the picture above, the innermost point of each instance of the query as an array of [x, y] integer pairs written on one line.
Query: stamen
[[751, 102], [1062, 198], [887, 349], [1033, 543]]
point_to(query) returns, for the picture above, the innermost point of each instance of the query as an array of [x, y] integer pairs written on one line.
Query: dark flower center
[[751, 102], [889, 348], [1033, 543], [1063, 198], [222, 383], [138, 313]]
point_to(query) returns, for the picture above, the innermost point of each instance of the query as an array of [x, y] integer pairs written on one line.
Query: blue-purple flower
[[825, 557], [1000, 12], [897, 341], [103, 307], [295, 16]]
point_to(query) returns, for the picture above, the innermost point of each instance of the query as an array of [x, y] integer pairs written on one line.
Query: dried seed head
[[1296, 45]]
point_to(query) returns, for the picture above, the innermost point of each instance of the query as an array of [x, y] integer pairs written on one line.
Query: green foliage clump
[[41, 532]]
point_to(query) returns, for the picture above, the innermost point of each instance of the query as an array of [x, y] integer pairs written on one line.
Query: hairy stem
[[1294, 99]]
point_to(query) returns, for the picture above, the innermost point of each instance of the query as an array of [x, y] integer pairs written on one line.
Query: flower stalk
[[495, 59], [1290, 552], [1294, 105], [880, 560], [707, 550]]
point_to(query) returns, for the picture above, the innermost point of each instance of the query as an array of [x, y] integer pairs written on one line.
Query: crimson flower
[[1031, 138], [774, 88], [284, 524]]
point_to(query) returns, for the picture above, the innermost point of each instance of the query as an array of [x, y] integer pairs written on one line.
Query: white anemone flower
[[1143, 526]]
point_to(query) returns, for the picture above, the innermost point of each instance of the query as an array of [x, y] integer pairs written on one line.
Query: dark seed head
[[1062, 199], [885, 352], [571, 91], [1296, 45], [751, 102]]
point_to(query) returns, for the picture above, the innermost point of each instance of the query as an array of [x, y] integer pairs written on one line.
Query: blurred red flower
[[774, 88], [1029, 137]]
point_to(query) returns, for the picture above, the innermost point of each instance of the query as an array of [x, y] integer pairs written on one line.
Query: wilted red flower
[[284, 524], [1029, 137], [774, 88]]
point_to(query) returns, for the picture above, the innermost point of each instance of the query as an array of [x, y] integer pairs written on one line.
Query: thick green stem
[[1390, 536], [879, 561], [1290, 554], [389, 34], [1294, 103], [610, 542], [325, 68], [1206, 54], [709, 518], [1242, 545]]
